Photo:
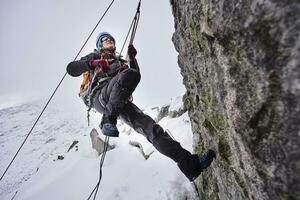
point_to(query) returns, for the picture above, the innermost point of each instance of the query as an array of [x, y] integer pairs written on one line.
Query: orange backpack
[[85, 81]]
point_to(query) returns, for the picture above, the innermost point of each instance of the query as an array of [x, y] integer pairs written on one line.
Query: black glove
[[131, 51]]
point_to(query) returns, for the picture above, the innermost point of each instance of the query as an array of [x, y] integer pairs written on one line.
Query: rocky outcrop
[[240, 65], [172, 110], [98, 144]]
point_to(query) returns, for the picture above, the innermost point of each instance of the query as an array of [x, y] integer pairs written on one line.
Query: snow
[[176, 104], [38, 174]]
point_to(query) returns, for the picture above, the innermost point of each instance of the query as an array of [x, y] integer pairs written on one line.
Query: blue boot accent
[[110, 130], [200, 162], [207, 158]]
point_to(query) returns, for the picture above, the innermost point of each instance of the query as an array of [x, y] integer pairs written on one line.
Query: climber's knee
[[130, 78]]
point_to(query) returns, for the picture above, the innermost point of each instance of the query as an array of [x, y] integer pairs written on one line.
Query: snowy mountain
[[45, 169]]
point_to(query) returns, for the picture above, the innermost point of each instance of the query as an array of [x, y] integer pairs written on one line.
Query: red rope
[[135, 25], [132, 28]]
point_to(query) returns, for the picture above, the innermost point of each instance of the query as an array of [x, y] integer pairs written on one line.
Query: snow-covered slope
[[38, 174]]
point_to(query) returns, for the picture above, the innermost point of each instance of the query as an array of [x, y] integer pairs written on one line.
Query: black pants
[[112, 99]]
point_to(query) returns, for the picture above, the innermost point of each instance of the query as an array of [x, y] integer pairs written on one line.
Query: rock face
[[240, 65]]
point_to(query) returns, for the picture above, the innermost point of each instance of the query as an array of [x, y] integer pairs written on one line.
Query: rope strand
[[106, 143], [134, 25], [127, 36]]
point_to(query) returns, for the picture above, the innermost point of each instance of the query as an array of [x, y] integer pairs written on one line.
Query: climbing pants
[[112, 99]]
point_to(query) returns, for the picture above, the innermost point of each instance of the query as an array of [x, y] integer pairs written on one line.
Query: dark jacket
[[93, 77], [76, 68]]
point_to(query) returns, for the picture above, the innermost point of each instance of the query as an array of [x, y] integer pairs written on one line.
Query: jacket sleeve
[[134, 64], [76, 68]]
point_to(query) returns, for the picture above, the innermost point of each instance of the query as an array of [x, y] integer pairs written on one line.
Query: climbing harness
[[133, 27], [56, 90]]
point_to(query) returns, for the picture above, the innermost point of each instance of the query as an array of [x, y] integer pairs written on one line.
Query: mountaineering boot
[[108, 126], [199, 163], [207, 158]]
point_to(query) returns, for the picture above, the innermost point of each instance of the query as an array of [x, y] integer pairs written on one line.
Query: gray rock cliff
[[240, 62]]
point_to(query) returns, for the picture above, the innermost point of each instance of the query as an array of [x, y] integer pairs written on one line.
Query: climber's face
[[108, 42]]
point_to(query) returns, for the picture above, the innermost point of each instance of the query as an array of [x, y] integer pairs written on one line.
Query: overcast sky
[[39, 38]]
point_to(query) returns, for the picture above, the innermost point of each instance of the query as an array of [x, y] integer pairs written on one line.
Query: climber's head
[[105, 41]]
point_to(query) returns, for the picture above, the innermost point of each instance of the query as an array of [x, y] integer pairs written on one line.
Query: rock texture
[[97, 143], [240, 65]]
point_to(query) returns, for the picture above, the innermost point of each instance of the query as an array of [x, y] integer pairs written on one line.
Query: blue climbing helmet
[[101, 37]]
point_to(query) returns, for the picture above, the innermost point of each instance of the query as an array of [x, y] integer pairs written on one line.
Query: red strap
[[102, 62]]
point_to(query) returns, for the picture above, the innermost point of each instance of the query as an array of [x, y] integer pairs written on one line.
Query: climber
[[107, 87]]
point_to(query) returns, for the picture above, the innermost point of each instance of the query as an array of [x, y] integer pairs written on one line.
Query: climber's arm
[[76, 68], [134, 64], [132, 60]]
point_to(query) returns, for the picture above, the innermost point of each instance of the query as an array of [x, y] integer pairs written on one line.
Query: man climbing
[[107, 87]]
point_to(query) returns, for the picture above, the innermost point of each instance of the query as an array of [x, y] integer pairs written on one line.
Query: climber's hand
[[101, 63], [131, 51]]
